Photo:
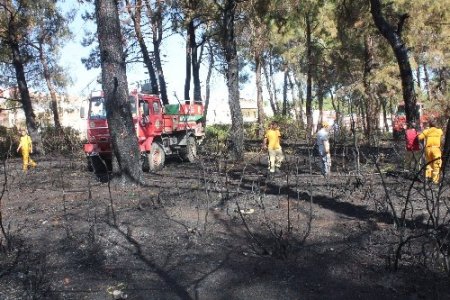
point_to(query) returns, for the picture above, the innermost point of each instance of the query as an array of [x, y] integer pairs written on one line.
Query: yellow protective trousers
[[434, 162], [276, 157], [27, 161]]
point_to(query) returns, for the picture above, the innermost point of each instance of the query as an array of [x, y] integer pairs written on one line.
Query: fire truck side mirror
[[82, 112]]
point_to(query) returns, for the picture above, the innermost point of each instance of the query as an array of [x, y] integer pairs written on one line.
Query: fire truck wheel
[[191, 149], [90, 168], [156, 158], [397, 135], [144, 160]]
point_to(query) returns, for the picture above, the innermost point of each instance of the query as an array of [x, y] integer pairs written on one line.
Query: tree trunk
[[13, 40], [393, 36], [301, 101], [156, 19], [285, 90], [136, 18], [292, 88], [159, 70], [446, 151], [336, 108], [115, 87], [320, 103], [208, 81], [25, 94], [309, 116], [237, 128], [196, 63], [385, 113], [259, 93], [370, 103], [48, 80], [273, 84], [427, 82], [187, 79], [273, 105]]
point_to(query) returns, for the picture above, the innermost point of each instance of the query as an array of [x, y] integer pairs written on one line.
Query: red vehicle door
[[150, 112]]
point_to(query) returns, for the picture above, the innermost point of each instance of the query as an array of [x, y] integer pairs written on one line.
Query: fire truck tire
[[397, 135], [89, 165], [191, 149], [156, 158], [144, 160]]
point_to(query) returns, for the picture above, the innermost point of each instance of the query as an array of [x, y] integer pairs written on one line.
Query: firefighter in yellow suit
[[26, 146], [432, 137], [271, 142]]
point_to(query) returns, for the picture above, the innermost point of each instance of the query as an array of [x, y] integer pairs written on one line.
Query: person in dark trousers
[[413, 152]]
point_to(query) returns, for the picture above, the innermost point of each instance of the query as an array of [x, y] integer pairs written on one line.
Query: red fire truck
[[175, 129], [400, 119]]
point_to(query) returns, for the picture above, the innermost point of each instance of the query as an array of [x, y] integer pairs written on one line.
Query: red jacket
[[412, 142]]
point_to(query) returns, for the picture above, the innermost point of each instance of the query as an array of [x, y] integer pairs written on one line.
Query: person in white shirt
[[324, 148]]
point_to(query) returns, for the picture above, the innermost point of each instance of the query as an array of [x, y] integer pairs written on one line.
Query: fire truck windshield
[[97, 109]]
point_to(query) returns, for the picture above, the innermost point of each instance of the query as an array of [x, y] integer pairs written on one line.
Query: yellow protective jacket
[[273, 139], [433, 137], [25, 144]]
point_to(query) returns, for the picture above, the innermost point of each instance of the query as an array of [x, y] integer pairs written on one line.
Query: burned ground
[[224, 230]]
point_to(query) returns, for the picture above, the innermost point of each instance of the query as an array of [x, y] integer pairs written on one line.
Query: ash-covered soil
[[222, 230]]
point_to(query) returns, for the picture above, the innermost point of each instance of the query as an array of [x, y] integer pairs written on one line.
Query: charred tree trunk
[[196, 63], [309, 75], [25, 98], [259, 93], [446, 151], [187, 79], [156, 18], [115, 87], [232, 73], [394, 36]]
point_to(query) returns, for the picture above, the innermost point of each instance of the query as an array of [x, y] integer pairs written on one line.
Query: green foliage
[[217, 131], [291, 130], [9, 141], [216, 138], [251, 131], [66, 142]]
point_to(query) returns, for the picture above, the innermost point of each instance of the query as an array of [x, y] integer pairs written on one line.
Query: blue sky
[[173, 50]]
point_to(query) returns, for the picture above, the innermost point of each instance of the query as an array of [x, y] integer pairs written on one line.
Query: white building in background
[[69, 110], [219, 111]]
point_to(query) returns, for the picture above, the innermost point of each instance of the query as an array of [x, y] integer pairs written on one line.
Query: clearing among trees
[[217, 229]]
